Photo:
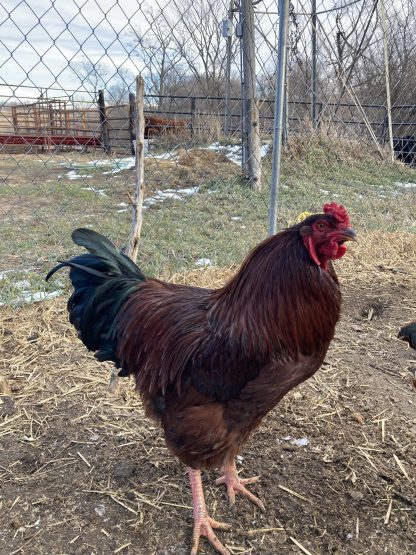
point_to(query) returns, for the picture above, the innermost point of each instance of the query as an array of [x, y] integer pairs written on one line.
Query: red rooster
[[210, 364]]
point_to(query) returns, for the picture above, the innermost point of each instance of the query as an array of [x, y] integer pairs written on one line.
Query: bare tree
[[401, 33], [355, 28], [92, 75], [120, 84], [201, 44], [157, 50]]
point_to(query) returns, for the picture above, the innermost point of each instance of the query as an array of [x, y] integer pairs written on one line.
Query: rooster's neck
[[279, 299]]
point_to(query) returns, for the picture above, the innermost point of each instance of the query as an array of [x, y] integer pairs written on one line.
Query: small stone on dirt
[[15, 524], [358, 417], [356, 495], [100, 510]]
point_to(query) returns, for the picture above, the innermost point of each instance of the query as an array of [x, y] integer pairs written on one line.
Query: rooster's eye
[[321, 225]]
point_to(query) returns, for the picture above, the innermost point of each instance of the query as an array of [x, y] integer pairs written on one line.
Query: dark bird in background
[[408, 333], [209, 364]]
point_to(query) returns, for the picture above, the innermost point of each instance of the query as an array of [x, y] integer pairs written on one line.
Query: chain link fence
[[67, 74]]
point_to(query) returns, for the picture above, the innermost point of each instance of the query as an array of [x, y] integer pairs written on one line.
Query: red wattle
[[311, 249]]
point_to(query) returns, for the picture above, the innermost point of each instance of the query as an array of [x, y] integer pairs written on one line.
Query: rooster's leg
[[234, 485], [204, 524]]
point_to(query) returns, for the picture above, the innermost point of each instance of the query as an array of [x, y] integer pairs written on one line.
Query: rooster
[[408, 333], [210, 364]]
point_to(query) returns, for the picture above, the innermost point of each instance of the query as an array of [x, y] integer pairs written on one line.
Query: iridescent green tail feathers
[[103, 280]]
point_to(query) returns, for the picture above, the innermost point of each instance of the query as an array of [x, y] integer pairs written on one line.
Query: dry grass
[[83, 472]]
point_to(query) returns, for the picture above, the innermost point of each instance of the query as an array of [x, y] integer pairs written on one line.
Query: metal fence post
[[278, 116], [314, 21]]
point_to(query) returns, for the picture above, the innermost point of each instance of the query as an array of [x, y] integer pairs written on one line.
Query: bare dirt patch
[[82, 471]]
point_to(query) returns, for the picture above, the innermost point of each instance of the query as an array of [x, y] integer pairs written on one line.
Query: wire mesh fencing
[[67, 74]]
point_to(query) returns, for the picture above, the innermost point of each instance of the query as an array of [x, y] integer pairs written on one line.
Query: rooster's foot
[[234, 485], [204, 525]]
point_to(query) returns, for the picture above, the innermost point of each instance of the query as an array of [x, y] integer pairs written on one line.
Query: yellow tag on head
[[302, 216]]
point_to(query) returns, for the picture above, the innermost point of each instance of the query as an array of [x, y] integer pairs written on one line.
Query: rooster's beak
[[348, 235]]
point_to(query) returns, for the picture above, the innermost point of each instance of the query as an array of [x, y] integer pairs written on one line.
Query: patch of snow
[[4, 274], [301, 442], [188, 191], [165, 194], [124, 207], [175, 194], [72, 174], [203, 262], [407, 185], [41, 296], [264, 150], [164, 156], [96, 191], [120, 164], [29, 297], [24, 284], [234, 152]]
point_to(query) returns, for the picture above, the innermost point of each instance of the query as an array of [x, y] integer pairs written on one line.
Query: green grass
[[222, 223]]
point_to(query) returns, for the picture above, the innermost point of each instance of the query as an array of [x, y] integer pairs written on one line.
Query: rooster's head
[[324, 234]]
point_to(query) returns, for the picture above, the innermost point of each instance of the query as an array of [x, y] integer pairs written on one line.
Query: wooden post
[[15, 120], [251, 112], [105, 133], [132, 117], [136, 127], [193, 110], [137, 199], [387, 76]]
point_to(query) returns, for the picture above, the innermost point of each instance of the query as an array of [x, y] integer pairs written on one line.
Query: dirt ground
[[82, 471]]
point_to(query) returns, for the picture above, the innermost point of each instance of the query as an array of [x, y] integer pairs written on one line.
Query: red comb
[[338, 211]]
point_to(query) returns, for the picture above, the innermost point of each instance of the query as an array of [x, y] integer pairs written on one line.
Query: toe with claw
[[205, 526], [234, 485]]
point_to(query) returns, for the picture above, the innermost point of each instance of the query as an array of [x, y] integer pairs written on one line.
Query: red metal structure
[[49, 140]]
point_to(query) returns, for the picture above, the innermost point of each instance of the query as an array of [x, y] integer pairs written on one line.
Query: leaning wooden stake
[[251, 107], [137, 199], [387, 76]]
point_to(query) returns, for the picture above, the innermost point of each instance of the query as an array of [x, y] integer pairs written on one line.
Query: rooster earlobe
[[305, 231]]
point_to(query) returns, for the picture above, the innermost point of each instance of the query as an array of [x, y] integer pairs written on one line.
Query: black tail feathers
[[103, 280], [104, 257], [408, 333]]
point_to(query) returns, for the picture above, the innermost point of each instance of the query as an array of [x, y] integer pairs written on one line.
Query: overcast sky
[[39, 39]]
